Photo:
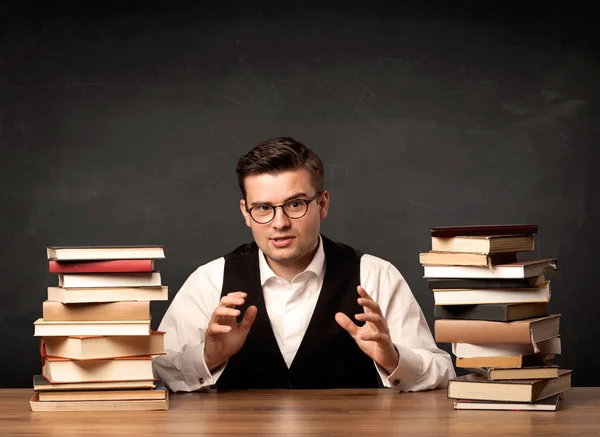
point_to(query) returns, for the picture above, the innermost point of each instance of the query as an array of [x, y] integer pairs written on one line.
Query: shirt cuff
[[194, 370], [407, 370]]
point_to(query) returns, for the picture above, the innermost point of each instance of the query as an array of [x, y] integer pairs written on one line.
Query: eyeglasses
[[294, 209]]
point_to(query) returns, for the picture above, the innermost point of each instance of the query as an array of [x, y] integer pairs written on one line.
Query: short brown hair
[[277, 155]]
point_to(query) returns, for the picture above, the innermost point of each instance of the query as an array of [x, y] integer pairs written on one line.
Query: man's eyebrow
[[295, 196]]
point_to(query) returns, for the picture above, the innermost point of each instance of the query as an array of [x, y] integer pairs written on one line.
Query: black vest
[[328, 357]]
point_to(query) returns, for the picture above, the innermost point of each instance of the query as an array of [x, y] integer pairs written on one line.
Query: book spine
[[111, 266], [481, 332], [493, 313], [54, 311]]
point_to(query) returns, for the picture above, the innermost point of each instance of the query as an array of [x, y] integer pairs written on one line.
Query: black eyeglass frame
[[282, 206]]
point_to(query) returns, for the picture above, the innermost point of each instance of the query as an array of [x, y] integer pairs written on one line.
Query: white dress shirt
[[422, 364]]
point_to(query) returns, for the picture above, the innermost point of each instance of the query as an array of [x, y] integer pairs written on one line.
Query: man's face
[[285, 241]]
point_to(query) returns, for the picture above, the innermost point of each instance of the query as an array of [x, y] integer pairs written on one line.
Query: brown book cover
[[505, 362], [157, 392], [57, 370], [124, 405], [549, 404], [54, 311], [103, 347], [527, 331], [480, 230], [489, 245], [499, 374], [477, 387], [466, 259], [42, 384], [108, 294]]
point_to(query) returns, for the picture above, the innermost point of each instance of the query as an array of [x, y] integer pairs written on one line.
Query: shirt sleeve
[[422, 365], [183, 368]]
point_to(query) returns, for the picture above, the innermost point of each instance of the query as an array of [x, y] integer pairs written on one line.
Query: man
[[294, 309]]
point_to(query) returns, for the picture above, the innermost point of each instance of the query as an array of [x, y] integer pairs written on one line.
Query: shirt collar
[[316, 266]]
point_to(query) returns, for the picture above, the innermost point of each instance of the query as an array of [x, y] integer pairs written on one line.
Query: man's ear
[[245, 213], [324, 205]]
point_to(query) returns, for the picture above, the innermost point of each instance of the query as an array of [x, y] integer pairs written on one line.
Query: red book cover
[[109, 266]]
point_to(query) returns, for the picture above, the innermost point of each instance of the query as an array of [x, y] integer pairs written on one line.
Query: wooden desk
[[291, 412]]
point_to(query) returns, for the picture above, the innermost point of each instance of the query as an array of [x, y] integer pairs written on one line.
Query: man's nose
[[280, 221]]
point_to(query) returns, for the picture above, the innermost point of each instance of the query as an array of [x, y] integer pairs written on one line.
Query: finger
[[370, 305], [233, 299], [371, 336], [226, 312], [363, 293], [215, 328], [344, 321], [375, 319], [249, 317]]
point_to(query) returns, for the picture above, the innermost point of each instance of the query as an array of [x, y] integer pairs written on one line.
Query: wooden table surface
[[314, 412]]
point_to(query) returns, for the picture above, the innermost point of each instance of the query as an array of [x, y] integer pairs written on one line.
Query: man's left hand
[[374, 336]]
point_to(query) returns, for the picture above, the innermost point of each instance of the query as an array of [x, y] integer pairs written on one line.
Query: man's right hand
[[224, 336]]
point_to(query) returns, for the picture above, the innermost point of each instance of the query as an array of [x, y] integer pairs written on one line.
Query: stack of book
[[493, 308], [96, 340]]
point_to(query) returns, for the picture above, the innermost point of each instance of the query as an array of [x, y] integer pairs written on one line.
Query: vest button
[[289, 383]]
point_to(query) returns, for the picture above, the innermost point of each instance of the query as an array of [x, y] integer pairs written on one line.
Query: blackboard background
[[122, 125]]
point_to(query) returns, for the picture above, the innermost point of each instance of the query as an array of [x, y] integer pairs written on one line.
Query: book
[[505, 362], [99, 347], [492, 312], [124, 405], [484, 284], [484, 230], [463, 350], [551, 403], [54, 311], [108, 266], [528, 331], [60, 370], [43, 328], [536, 372], [92, 253], [158, 392], [521, 269], [472, 386], [467, 296], [486, 244], [466, 259], [100, 280], [107, 294], [42, 384]]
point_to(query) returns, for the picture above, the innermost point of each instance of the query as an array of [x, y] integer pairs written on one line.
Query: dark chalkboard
[[119, 127]]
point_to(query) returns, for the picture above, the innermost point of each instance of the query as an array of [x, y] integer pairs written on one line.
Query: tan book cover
[[483, 244], [527, 331], [505, 362], [473, 386], [159, 392], [104, 347], [110, 294], [466, 259], [57, 370], [44, 328], [42, 384], [499, 374], [54, 311], [124, 405]]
